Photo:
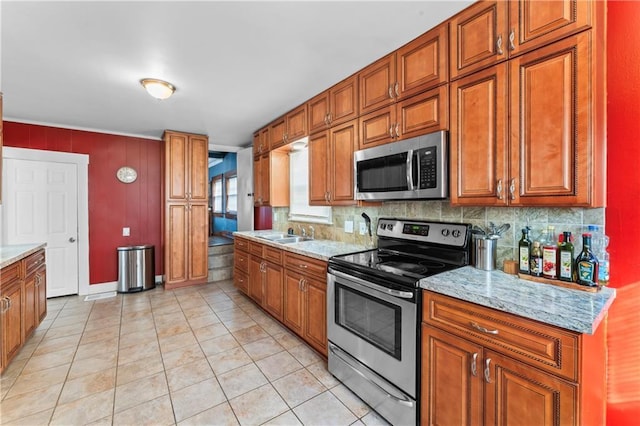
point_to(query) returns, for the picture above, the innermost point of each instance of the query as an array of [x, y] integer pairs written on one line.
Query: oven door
[[375, 325]]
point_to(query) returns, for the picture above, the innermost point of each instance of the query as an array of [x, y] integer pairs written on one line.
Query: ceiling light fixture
[[159, 89]]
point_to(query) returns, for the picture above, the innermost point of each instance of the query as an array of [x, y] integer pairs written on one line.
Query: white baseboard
[[112, 286]]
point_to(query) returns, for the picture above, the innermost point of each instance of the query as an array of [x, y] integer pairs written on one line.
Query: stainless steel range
[[374, 308]]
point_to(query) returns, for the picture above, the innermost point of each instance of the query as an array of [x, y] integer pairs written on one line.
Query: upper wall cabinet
[[288, 128], [261, 141], [334, 106], [186, 166], [491, 31], [415, 67]]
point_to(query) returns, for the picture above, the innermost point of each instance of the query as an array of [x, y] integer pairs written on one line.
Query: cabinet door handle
[[499, 45], [391, 131], [395, 88], [390, 91], [512, 37], [487, 370], [474, 366], [512, 189], [397, 130], [499, 189], [482, 329], [303, 266]]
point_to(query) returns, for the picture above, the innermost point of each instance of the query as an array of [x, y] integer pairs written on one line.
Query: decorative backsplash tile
[[538, 218]]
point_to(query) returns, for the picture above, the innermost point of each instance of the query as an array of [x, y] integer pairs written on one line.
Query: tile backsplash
[[538, 218]]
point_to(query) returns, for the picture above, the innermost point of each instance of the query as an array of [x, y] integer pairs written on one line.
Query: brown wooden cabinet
[[277, 133], [554, 153], [241, 264], [296, 124], [23, 303], [305, 299], [421, 114], [266, 278], [186, 211], [484, 366], [261, 142], [271, 179], [331, 165], [491, 31], [334, 106]]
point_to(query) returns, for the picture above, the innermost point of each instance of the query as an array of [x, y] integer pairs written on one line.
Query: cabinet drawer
[[272, 254], [10, 274], [241, 244], [546, 347], [241, 280], [306, 265], [241, 261], [255, 248], [33, 262]]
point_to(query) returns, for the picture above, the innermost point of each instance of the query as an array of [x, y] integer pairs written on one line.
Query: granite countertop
[[575, 310], [317, 249], [14, 253]]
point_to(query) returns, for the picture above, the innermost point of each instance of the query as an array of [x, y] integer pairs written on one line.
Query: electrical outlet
[[348, 226], [363, 228], [126, 232]]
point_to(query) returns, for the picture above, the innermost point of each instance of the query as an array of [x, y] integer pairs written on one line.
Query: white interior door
[[40, 204], [244, 167]]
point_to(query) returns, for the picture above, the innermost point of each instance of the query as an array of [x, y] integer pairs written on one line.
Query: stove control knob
[[389, 227], [455, 233], [445, 232]]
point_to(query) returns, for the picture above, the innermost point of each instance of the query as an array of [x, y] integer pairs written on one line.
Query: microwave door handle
[[409, 169]]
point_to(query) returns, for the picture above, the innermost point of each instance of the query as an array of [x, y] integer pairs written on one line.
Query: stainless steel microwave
[[415, 168]]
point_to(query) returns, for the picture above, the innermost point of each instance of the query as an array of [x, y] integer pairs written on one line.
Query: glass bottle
[[565, 258], [550, 255], [536, 259], [586, 265], [524, 249]]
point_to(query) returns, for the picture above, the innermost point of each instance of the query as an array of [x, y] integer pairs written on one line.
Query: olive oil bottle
[[565, 258], [524, 251]]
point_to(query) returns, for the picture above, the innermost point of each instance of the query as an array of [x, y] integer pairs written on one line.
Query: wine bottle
[[524, 249], [536, 259], [586, 264], [565, 258]]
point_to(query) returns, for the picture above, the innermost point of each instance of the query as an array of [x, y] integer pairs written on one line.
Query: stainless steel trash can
[[136, 268]]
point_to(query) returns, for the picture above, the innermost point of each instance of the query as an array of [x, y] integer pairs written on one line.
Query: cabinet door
[[256, 279], [378, 84], [293, 302], [534, 23], [318, 169], [479, 154], [41, 290], [377, 128], [452, 386], [241, 281], [176, 243], [343, 101], [198, 242], [423, 63], [478, 37], [424, 113], [297, 124], [517, 393], [177, 154], [12, 322], [318, 112], [198, 168], [257, 181], [315, 323], [551, 143], [29, 308], [265, 180], [277, 131], [257, 149], [273, 297], [344, 141]]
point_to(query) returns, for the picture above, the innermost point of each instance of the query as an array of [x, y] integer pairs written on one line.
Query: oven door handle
[[338, 352], [372, 286]]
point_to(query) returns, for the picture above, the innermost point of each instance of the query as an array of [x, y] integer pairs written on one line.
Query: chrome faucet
[[303, 231], [313, 232]]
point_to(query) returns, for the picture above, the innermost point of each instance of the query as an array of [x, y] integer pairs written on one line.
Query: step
[[220, 274]]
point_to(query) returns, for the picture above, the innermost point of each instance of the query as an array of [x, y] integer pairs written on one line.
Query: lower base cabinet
[[481, 366], [23, 303]]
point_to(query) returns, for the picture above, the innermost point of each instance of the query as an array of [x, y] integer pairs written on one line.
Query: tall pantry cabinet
[[186, 209]]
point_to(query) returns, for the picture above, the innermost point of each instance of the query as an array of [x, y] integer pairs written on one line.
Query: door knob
[[72, 240]]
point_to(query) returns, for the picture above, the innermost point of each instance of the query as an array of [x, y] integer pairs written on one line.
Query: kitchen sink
[[291, 239], [272, 237]]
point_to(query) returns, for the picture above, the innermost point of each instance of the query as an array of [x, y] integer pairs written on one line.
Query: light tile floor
[[195, 356]]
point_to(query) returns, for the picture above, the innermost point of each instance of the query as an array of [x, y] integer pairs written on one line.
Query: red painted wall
[[623, 209], [112, 204]]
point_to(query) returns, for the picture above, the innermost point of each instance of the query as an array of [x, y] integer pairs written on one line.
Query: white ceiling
[[236, 65]]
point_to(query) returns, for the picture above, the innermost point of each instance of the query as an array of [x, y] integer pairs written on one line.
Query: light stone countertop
[[317, 249], [14, 253], [575, 310]]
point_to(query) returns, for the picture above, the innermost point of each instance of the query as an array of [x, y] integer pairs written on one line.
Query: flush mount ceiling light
[[159, 89]]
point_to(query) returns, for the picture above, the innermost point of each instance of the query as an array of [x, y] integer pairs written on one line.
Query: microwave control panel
[[428, 167]]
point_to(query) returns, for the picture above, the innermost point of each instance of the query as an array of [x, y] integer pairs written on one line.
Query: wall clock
[[127, 174]]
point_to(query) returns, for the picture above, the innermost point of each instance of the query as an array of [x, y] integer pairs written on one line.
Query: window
[[231, 194], [299, 208], [216, 194]]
